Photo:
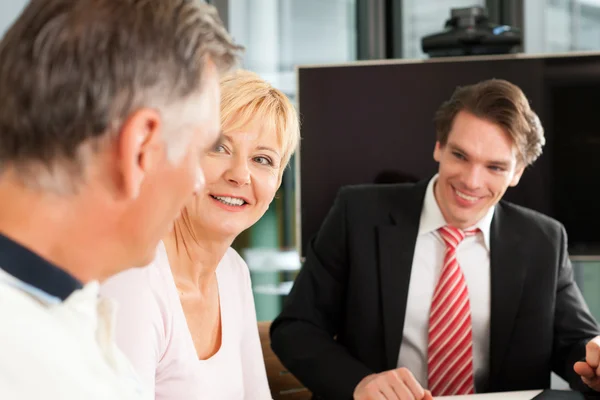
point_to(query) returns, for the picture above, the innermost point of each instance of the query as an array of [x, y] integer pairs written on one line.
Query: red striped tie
[[450, 351]]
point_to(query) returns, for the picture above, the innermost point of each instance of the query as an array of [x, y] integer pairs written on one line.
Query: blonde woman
[[187, 321]]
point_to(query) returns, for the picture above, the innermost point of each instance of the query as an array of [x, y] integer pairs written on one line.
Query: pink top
[[152, 331]]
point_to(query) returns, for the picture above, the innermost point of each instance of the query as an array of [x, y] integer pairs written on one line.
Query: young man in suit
[[441, 285]]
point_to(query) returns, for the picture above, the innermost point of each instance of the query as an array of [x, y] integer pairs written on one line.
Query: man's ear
[[437, 151], [140, 149]]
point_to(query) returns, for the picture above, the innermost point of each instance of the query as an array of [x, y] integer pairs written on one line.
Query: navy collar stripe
[[32, 269]]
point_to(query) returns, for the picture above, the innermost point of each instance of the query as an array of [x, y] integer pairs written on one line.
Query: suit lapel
[[396, 244], [508, 265]]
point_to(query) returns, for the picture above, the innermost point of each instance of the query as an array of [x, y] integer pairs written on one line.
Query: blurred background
[[279, 35], [282, 34]]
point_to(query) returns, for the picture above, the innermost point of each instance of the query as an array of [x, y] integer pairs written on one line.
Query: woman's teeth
[[230, 201]]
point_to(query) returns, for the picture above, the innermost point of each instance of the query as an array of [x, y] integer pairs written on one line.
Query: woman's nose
[[239, 173]]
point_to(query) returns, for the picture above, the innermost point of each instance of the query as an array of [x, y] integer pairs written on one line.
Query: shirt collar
[[37, 276], [432, 218]]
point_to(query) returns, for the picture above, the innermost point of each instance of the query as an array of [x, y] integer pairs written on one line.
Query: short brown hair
[[73, 70], [499, 102]]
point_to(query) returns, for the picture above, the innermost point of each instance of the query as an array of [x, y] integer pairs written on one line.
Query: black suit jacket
[[344, 317]]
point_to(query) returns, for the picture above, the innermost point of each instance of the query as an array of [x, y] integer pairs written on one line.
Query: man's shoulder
[[530, 221], [18, 303], [527, 214], [29, 323]]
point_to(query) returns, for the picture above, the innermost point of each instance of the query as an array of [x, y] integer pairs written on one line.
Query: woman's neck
[[193, 255]]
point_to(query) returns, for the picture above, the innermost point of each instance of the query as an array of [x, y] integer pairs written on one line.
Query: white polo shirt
[[56, 337]]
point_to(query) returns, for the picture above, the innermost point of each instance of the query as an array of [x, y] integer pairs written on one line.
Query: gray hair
[[71, 71]]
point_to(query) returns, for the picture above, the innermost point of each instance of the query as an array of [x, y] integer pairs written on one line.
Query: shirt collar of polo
[[34, 271]]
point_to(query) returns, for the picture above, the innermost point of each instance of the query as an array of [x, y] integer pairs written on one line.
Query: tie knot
[[453, 236]]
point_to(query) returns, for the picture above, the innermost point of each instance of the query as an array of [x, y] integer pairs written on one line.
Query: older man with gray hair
[[106, 110]]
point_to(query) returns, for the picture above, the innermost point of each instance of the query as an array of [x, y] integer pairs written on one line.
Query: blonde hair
[[246, 97]]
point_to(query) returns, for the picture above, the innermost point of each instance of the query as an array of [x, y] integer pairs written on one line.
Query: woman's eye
[[263, 160], [219, 148]]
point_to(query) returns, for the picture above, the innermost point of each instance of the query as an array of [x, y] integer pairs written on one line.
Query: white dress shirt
[[473, 256]]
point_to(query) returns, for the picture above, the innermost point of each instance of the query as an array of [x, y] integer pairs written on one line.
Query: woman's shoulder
[[232, 260], [143, 283], [234, 266]]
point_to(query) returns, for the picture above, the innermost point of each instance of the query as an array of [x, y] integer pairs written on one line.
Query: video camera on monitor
[[470, 32]]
